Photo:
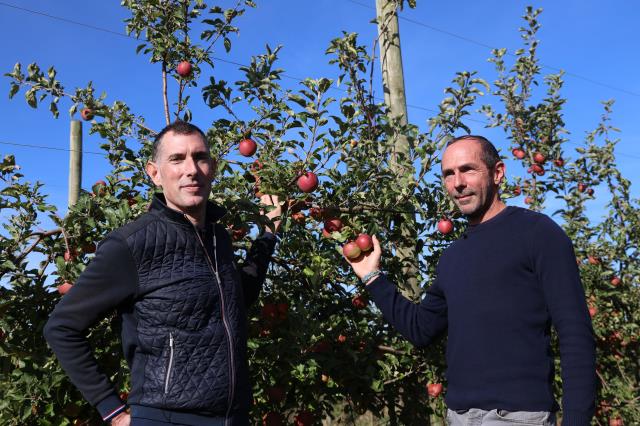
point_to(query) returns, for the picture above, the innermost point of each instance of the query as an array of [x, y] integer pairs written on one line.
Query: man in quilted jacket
[[171, 278]]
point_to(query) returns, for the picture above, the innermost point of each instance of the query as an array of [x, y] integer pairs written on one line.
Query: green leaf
[[14, 89]]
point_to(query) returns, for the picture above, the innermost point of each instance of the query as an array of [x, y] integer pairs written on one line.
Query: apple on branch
[[434, 389], [445, 226], [86, 114], [184, 69], [247, 147], [307, 182]]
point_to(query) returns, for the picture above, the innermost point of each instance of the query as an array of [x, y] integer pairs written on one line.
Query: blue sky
[[594, 40]]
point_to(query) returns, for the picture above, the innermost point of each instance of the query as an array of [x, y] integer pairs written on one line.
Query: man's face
[[468, 180], [184, 169]]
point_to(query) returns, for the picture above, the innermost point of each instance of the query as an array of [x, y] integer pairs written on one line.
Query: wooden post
[[395, 99], [75, 161], [391, 61]]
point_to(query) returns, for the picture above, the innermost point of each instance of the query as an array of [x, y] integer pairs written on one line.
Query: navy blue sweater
[[498, 290]]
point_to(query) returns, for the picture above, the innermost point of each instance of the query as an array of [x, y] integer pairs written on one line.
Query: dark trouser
[[148, 416], [478, 417]]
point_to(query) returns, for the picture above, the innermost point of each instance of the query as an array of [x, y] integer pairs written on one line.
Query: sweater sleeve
[[419, 323], [253, 270], [555, 264], [109, 280]]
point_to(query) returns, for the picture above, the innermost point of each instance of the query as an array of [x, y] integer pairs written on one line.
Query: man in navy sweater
[[498, 290]]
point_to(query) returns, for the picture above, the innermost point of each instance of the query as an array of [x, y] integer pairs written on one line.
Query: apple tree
[[318, 348]]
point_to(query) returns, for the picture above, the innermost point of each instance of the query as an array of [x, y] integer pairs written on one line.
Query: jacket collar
[[159, 206]]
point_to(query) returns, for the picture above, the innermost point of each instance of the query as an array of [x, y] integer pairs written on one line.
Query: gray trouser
[[477, 417]]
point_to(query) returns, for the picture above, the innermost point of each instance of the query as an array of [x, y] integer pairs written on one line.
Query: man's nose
[[190, 166], [458, 181]]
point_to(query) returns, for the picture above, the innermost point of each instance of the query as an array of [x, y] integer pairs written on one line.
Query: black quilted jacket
[[183, 308]]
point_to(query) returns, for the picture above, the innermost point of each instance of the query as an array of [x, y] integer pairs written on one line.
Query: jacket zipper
[[166, 379], [224, 318]]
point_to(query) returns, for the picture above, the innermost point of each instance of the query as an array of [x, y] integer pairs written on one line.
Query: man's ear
[[499, 171], [152, 171]]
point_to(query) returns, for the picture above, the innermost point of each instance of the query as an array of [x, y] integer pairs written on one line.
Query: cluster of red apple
[[306, 181], [353, 249], [538, 161], [582, 187]]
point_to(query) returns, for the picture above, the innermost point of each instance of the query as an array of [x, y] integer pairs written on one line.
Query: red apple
[[316, 213], [69, 255], [351, 250], [342, 338], [593, 311], [64, 287], [333, 225], [445, 226], [615, 281], [124, 395], [256, 165], [99, 188], [518, 153], [304, 418], [582, 187], [308, 182], [537, 169], [272, 419], [593, 260], [434, 389], [239, 233], [326, 234], [528, 200], [517, 190], [247, 147], [359, 301], [184, 69], [590, 192], [616, 421], [539, 158], [559, 162], [86, 114], [365, 242], [299, 217]]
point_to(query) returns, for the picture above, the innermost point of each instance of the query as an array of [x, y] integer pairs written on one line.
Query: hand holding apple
[[368, 262]]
